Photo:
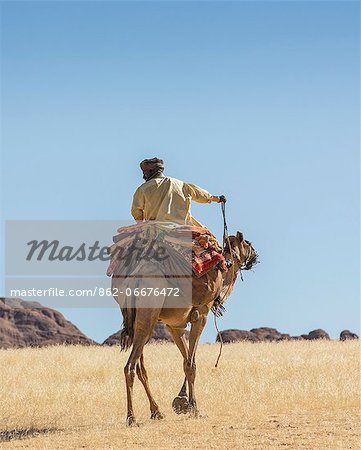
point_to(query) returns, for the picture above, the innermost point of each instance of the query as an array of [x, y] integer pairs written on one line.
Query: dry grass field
[[290, 395]]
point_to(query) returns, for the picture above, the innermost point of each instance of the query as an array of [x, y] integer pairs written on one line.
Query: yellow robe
[[168, 199]]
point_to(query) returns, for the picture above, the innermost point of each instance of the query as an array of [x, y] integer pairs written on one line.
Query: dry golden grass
[[263, 396]]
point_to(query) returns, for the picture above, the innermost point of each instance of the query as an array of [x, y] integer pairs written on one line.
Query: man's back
[[167, 199]]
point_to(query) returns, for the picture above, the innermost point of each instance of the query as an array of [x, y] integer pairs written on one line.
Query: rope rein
[[251, 258], [225, 240], [220, 339]]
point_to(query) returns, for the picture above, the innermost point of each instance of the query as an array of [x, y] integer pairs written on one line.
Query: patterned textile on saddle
[[133, 244], [206, 250]]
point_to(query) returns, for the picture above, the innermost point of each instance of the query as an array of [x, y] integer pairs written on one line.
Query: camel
[[208, 292]]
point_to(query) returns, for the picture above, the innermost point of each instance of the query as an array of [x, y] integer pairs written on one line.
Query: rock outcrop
[[160, 333], [316, 334], [30, 324], [234, 335], [270, 334], [347, 335], [265, 334]]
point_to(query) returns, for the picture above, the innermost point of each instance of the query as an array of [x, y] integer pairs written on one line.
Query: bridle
[[251, 256], [250, 259], [248, 262]]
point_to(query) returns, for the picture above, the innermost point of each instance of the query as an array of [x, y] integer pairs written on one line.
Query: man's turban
[[151, 165]]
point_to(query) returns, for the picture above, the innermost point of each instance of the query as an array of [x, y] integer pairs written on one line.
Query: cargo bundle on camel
[[168, 267]]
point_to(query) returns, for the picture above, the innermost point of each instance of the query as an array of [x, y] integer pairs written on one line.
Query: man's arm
[[138, 205], [201, 195]]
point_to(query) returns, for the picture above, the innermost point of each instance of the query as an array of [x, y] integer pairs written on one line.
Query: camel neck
[[230, 277]]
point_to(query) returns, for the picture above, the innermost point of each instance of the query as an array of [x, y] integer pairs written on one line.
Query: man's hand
[[222, 199]]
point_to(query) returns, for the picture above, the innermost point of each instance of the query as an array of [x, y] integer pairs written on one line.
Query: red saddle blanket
[[202, 263], [206, 250]]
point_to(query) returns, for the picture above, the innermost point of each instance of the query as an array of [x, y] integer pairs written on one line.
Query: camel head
[[242, 251], [244, 257]]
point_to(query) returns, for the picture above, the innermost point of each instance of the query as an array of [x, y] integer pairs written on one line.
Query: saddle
[[197, 245]]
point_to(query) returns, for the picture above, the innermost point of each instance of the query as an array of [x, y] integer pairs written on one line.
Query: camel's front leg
[[198, 323]]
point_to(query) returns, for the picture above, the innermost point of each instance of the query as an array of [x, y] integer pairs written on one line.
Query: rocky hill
[[347, 335], [160, 333], [30, 324], [27, 324], [265, 334]]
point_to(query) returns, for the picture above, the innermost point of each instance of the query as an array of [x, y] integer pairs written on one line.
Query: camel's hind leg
[[143, 377], [190, 364], [180, 403], [143, 328]]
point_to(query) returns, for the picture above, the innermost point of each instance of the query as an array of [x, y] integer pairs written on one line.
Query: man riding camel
[[167, 199], [177, 287]]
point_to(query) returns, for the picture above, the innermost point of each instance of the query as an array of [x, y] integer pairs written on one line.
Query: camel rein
[[226, 241]]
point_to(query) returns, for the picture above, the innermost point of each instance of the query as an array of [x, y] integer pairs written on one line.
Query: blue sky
[[255, 100]]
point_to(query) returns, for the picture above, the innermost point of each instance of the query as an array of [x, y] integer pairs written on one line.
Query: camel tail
[[127, 333]]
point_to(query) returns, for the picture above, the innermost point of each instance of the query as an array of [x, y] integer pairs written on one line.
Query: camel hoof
[[157, 415], [193, 411], [131, 422], [180, 405]]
